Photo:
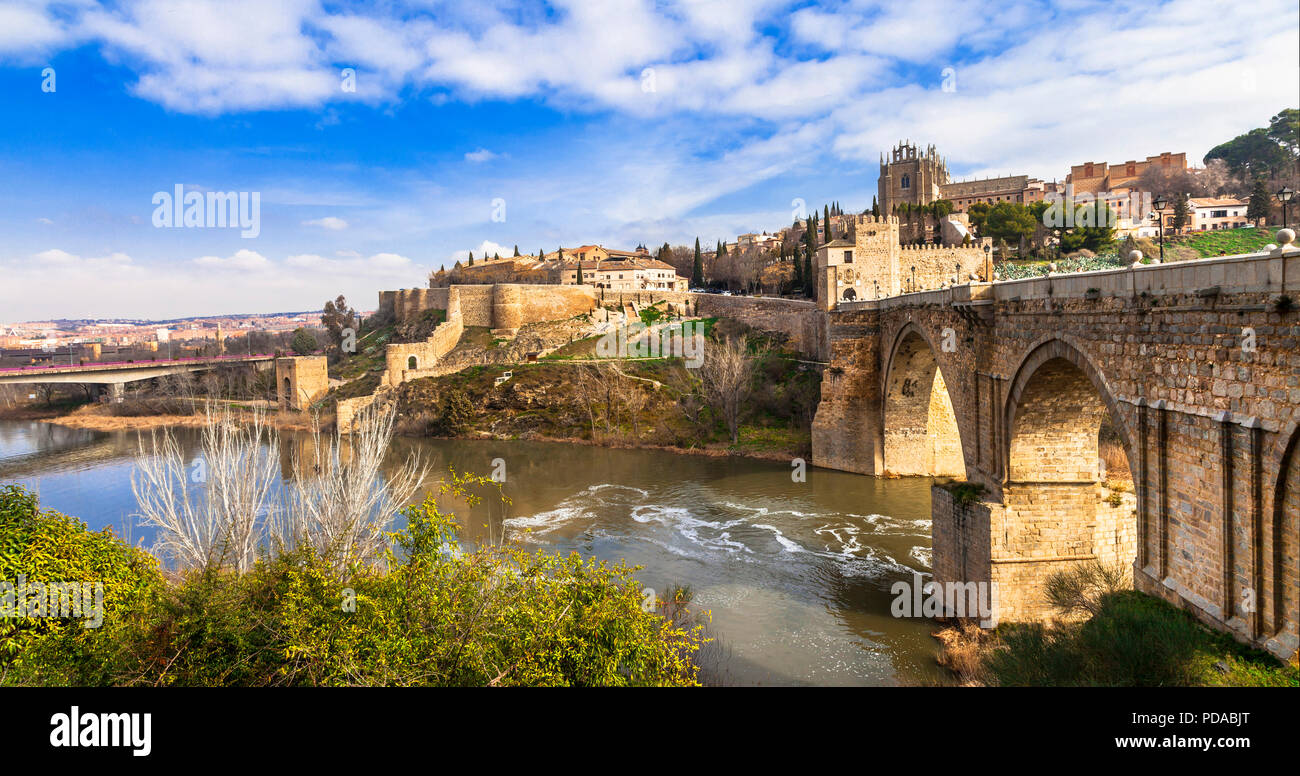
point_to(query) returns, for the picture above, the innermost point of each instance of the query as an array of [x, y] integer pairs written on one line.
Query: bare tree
[[208, 513], [219, 511], [633, 399], [727, 378], [587, 390], [344, 507]]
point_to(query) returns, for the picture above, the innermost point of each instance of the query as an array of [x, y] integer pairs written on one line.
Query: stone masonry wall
[[1198, 366]]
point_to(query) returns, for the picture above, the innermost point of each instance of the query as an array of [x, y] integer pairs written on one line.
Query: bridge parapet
[[1245, 273]]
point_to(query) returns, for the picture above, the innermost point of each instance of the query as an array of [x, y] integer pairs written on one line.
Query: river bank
[[95, 418]]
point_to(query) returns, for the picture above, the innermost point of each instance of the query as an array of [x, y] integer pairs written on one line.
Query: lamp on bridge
[[913, 277], [988, 262], [1160, 218], [1284, 196]]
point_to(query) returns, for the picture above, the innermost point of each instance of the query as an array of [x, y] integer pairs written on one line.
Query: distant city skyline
[[384, 144]]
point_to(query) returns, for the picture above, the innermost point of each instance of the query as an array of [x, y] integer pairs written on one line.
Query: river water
[[797, 575]]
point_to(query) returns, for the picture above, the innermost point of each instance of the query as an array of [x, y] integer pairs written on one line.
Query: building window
[[907, 182], [848, 257]]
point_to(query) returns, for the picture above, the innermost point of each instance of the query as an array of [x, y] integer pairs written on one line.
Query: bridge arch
[[1286, 534], [1062, 348], [920, 430], [1056, 515]]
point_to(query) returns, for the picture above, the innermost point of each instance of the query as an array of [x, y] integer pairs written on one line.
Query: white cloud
[[486, 248], [29, 28], [328, 222], [243, 260], [115, 285], [481, 155]]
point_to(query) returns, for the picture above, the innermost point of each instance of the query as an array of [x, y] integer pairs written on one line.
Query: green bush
[[437, 614], [47, 547], [1133, 640]]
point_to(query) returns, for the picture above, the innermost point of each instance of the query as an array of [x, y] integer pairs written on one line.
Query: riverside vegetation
[[1107, 635], [343, 584]]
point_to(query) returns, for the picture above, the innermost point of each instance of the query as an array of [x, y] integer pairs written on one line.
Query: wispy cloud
[[328, 222]]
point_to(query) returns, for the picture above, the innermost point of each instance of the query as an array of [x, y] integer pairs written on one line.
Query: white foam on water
[[690, 527], [575, 506], [789, 545], [924, 555]]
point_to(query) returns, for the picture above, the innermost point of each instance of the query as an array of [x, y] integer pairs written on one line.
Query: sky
[[384, 140]]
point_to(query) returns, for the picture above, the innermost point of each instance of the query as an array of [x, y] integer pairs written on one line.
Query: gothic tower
[[910, 176]]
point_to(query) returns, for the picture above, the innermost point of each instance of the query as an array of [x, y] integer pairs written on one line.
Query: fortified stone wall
[[407, 303], [936, 265]]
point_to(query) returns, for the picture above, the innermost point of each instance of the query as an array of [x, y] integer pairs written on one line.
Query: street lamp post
[[1284, 196], [1160, 218], [913, 277]]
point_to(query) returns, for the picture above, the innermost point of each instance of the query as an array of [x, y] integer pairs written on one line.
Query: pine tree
[[697, 269]]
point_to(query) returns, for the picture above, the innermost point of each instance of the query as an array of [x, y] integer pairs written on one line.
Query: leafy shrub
[[48, 547], [1133, 640], [435, 613]]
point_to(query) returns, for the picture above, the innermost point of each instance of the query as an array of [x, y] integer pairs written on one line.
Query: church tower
[[910, 176]]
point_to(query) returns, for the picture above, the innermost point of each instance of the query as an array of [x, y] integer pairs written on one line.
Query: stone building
[[910, 176], [1093, 177]]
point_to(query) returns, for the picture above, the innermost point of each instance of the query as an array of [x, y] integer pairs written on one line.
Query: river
[[797, 575]]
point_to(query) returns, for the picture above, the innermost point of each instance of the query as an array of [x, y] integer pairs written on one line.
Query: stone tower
[[300, 381], [862, 266], [910, 176]]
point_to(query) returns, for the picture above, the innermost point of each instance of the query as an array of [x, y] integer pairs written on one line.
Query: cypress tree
[[1260, 203], [697, 269], [516, 249], [875, 208], [471, 258]]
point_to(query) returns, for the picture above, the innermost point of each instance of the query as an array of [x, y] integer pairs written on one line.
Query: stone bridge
[[1191, 368]]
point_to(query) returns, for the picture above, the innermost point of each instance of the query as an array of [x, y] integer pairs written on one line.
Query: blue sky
[[616, 122]]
